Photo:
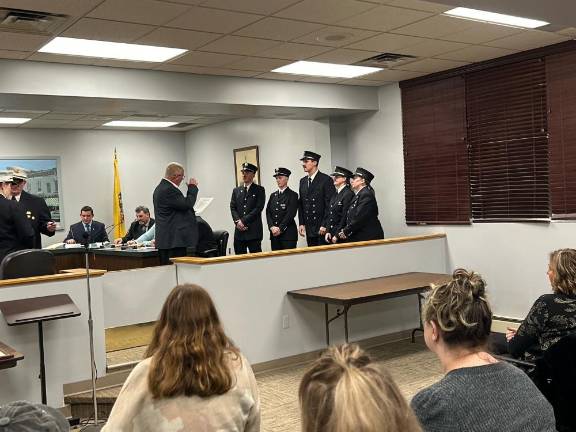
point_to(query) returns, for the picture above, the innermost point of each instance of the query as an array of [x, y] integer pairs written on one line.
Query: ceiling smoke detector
[[28, 21], [386, 60]]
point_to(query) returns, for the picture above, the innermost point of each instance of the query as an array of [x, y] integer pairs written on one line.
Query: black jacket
[[314, 202], [281, 211], [337, 210], [15, 231], [38, 215], [248, 208], [136, 230], [362, 221], [175, 218], [97, 232]]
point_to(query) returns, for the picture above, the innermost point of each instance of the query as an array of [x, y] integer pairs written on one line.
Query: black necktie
[[309, 181], [13, 198], [245, 189]]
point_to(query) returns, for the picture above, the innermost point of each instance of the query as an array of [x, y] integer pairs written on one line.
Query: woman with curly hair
[[193, 377], [478, 392]]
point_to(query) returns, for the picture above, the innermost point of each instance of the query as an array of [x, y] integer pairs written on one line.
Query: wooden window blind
[[435, 154], [561, 75], [508, 142]]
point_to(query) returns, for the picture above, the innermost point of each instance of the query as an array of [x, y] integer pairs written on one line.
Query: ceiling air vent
[[30, 21], [386, 60]]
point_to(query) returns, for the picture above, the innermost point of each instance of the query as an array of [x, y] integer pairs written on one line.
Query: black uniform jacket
[[38, 215], [314, 202], [248, 207], [362, 221], [281, 211], [337, 210], [136, 230], [15, 231], [97, 232], [175, 218]]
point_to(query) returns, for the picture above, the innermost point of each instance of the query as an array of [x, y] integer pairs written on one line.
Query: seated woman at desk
[[553, 315], [478, 392], [193, 377]]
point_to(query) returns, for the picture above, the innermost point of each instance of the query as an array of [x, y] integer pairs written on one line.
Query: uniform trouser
[[279, 244], [315, 241], [244, 246], [164, 255]]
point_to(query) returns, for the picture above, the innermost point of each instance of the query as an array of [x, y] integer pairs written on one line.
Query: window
[[48, 188], [39, 185]]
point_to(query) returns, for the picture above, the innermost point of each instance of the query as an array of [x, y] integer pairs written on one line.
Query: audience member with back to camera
[[478, 392], [193, 377]]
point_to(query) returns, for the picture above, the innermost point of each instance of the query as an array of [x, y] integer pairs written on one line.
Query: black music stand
[[38, 310]]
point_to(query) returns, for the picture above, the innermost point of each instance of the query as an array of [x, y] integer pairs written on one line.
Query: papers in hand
[[202, 204]]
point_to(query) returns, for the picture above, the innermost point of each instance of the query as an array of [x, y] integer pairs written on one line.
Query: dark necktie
[[13, 198], [245, 189], [309, 181], [86, 228]]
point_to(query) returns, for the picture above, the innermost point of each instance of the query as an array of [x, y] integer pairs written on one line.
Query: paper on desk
[[202, 204], [54, 246]]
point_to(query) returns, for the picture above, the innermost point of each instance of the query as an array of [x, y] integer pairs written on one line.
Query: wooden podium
[[37, 310]]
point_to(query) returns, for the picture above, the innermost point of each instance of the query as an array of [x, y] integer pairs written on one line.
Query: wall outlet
[[285, 321]]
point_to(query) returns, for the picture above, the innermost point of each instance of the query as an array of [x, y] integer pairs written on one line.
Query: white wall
[[512, 257], [210, 159], [86, 165]]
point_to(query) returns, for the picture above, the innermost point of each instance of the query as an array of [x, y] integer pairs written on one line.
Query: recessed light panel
[[110, 50], [330, 70], [495, 18], [140, 124], [14, 120]]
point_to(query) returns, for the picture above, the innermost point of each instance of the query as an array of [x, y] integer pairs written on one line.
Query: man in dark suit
[[15, 231], [246, 207], [339, 204], [316, 190], [176, 228], [142, 224], [280, 213], [34, 207], [96, 230], [362, 221]]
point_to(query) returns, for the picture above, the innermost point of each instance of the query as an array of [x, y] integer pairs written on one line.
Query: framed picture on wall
[[43, 180], [246, 154]]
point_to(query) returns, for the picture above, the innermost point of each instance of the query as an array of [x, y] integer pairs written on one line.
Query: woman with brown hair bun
[[553, 315], [478, 393], [193, 377], [344, 391]]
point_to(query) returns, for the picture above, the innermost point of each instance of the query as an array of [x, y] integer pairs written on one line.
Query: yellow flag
[[118, 211]]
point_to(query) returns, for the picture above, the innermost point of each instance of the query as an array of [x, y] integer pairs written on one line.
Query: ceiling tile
[[432, 47], [62, 116], [205, 59], [279, 76], [360, 82], [125, 64], [386, 42], [392, 75], [419, 5], [257, 64], [432, 65], [336, 36], [476, 53], [178, 38], [325, 11], [112, 31], [344, 56], [41, 123], [239, 45], [84, 125], [58, 58], [321, 80], [213, 20], [481, 32], [435, 27], [527, 40], [188, 2], [22, 41], [278, 29], [208, 71], [74, 8], [384, 18], [264, 7], [17, 55], [569, 31], [23, 113], [294, 51], [138, 11]]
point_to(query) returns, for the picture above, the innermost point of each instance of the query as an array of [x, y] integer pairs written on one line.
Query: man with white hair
[[35, 207]]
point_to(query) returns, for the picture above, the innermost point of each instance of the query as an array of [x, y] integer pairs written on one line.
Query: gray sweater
[[492, 398]]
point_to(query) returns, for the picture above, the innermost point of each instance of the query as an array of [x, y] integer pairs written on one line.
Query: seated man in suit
[[142, 224], [96, 230]]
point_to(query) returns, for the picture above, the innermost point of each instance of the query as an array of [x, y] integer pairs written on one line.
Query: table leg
[[42, 364], [421, 328], [327, 324], [346, 323]]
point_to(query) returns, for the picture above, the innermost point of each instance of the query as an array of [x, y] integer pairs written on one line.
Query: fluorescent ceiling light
[[110, 50], [141, 124], [14, 120], [495, 18], [326, 69]]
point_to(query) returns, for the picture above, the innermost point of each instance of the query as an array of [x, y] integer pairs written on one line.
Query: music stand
[[38, 310]]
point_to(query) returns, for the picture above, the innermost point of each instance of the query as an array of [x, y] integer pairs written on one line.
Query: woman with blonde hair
[[553, 315], [193, 377], [478, 393], [344, 391]]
